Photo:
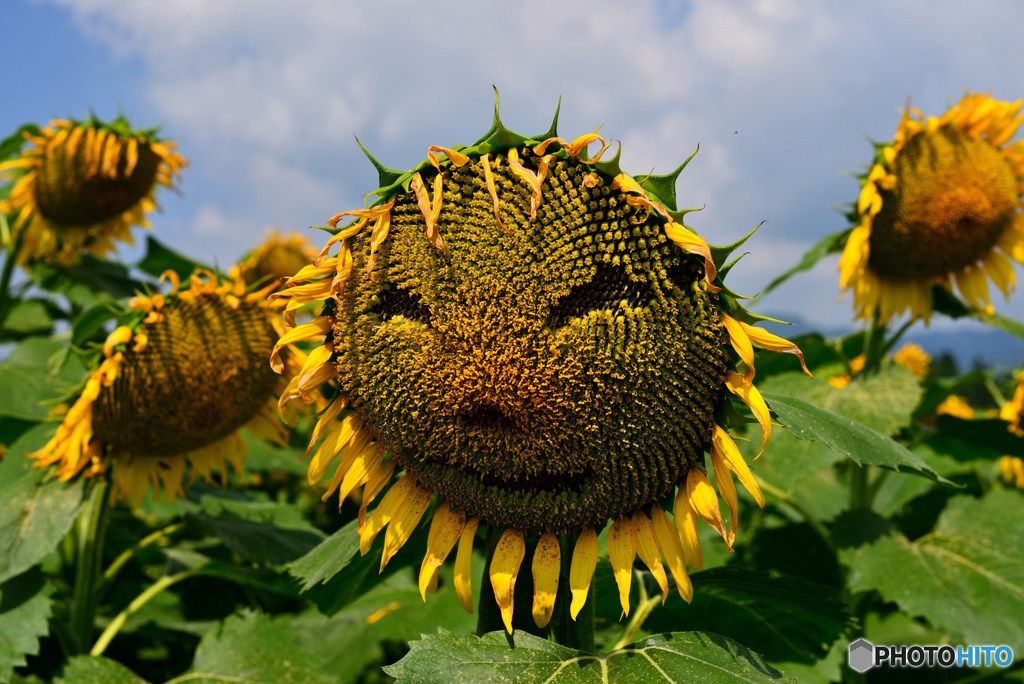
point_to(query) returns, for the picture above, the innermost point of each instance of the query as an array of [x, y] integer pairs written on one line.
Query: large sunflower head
[[277, 258], [531, 338], [83, 184], [172, 385], [941, 204]]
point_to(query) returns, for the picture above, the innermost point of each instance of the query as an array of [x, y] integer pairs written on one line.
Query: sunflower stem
[[874, 344], [643, 609], [142, 599], [92, 529], [10, 259], [860, 491], [111, 572]]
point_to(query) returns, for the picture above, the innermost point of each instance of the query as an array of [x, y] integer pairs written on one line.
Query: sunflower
[[172, 386], [275, 259], [530, 338], [84, 184], [941, 204]]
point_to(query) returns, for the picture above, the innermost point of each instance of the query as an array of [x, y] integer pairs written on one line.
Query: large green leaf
[[26, 379], [673, 657], [265, 457], [784, 619], [97, 670], [392, 612], [249, 530], [862, 444], [967, 576], [160, 258], [256, 649], [344, 573], [883, 401], [98, 276], [34, 516], [16, 466], [28, 317], [24, 618]]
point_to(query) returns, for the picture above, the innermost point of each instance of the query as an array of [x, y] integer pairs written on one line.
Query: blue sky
[[265, 97]]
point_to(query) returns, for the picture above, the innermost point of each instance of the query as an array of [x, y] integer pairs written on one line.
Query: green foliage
[[27, 379], [862, 444], [96, 669], [160, 258], [966, 576], [689, 656], [789, 619], [35, 513], [24, 618]]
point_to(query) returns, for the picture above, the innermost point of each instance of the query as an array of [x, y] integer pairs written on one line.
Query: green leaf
[[160, 258], [862, 444], [256, 649], [253, 531], [26, 379], [783, 618], [345, 574], [883, 401], [34, 517], [1015, 328], [391, 612], [97, 670], [89, 325], [673, 657], [16, 465], [28, 317], [980, 439], [830, 244], [24, 618], [99, 276], [967, 576], [266, 457]]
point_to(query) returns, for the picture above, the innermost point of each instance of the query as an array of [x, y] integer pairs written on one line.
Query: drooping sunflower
[[274, 260], [172, 386], [530, 338], [84, 184], [941, 204]]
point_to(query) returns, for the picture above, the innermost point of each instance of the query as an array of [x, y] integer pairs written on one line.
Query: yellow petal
[[763, 338], [121, 335], [359, 474], [705, 502], [445, 530], [740, 342], [463, 565], [621, 551], [686, 524], [668, 543], [376, 482], [508, 556], [308, 331], [581, 570], [746, 391], [456, 158], [647, 548], [722, 443], [332, 446], [329, 415], [381, 516], [547, 563], [485, 161], [723, 478], [692, 243], [404, 522]]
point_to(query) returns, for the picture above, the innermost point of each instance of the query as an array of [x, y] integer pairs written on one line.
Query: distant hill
[[969, 344]]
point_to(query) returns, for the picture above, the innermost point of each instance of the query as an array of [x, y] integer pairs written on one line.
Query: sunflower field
[[489, 427]]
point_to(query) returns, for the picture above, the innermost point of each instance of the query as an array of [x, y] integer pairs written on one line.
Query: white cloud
[[265, 96]]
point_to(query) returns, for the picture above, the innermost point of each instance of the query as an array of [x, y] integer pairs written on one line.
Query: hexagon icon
[[862, 655]]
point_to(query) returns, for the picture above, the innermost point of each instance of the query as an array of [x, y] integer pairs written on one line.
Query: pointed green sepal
[[720, 254], [665, 186], [610, 168], [553, 131], [498, 137], [679, 216], [387, 176], [736, 310]]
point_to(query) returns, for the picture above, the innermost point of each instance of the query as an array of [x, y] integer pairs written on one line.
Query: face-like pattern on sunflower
[[544, 374]]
